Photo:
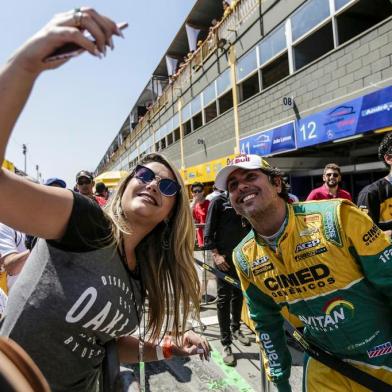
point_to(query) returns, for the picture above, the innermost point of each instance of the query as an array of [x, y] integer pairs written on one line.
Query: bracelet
[[159, 351], [167, 347]]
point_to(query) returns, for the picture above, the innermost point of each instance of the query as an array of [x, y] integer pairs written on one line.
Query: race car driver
[[327, 262]]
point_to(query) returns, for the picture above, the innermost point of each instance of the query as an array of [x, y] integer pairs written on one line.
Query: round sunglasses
[[166, 186], [335, 175]]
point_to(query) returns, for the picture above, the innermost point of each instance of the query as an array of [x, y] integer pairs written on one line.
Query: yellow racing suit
[[333, 269]]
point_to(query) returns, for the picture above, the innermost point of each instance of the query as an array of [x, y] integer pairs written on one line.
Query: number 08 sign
[[363, 114]]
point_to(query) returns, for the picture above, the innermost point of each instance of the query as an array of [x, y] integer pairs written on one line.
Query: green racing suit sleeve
[[269, 327]]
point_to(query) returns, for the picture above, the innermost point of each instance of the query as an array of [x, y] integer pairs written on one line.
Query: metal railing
[[225, 29], [231, 24]]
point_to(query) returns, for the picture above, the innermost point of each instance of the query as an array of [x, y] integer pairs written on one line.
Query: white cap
[[247, 162]]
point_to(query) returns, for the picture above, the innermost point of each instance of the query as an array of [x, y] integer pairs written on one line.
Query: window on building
[[210, 112], [197, 121], [186, 112], [275, 71], [361, 16], [169, 139], [249, 87], [187, 127], [225, 102], [209, 94], [223, 82], [313, 46], [159, 133], [197, 117], [341, 3], [177, 134], [157, 146], [308, 16], [196, 105], [274, 43], [175, 121], [246, 64], [163, 144]]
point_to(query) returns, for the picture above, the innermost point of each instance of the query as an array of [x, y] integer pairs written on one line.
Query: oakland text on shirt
[[110, 318], [85, 346]]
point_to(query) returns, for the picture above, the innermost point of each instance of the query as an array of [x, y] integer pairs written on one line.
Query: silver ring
[[78, 16]]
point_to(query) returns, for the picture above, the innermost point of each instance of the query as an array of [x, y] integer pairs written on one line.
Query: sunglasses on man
[[84, 181], [335, 175], [166, 186]]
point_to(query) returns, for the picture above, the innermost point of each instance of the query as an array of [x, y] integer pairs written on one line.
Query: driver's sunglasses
[[335, 175], [166, 186], [84, 182]]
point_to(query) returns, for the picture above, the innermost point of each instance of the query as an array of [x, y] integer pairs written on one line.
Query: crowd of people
[[81, 270], [228, 8]]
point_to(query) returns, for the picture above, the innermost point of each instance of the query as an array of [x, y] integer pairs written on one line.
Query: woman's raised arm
[[32, 208]]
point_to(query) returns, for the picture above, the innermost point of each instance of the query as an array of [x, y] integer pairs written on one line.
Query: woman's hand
[[193, 344], [66, 27]]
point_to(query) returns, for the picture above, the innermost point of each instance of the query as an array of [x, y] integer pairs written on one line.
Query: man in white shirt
[[13, 252]]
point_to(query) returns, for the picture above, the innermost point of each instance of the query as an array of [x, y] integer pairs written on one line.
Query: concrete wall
[[358, 67]]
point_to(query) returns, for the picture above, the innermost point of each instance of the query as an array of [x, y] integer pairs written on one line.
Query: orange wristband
[[167, 347]]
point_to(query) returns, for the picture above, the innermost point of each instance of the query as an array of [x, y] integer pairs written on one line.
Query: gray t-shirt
[[72, 297]]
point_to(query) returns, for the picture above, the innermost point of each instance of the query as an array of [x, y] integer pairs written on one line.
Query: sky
[[75, 111]]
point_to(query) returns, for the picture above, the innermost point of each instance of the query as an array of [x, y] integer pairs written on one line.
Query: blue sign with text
[[363, 114], [270, 142]]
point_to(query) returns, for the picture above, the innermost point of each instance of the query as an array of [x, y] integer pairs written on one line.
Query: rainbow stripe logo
[[339, 303]]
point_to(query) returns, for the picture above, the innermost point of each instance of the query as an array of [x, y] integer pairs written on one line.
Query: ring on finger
[[78, 17]]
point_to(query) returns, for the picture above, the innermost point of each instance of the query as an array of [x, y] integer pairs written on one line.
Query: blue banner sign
[[270, 142], [363, 114]]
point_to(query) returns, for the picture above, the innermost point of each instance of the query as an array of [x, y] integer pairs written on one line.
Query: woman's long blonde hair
[[168, 276]]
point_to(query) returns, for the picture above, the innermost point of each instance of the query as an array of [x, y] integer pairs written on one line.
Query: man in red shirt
[[199, 210], [85, 185], [330, 189]]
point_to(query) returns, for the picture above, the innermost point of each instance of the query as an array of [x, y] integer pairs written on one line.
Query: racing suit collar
[[282, 233]]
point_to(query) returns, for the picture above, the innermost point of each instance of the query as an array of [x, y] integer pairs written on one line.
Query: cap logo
[[240, 159]]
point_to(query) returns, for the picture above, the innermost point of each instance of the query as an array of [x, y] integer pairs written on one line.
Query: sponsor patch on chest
[[263, 268], [311, 253], [260, 265], [312, 218], [308, 231], [307, 245], [371, 235], [259, 261], [330, 228]]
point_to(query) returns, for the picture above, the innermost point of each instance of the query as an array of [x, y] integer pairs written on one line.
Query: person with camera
[[88, 276]]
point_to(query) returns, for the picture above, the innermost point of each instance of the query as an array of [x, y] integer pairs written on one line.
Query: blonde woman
[[85, 284]]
